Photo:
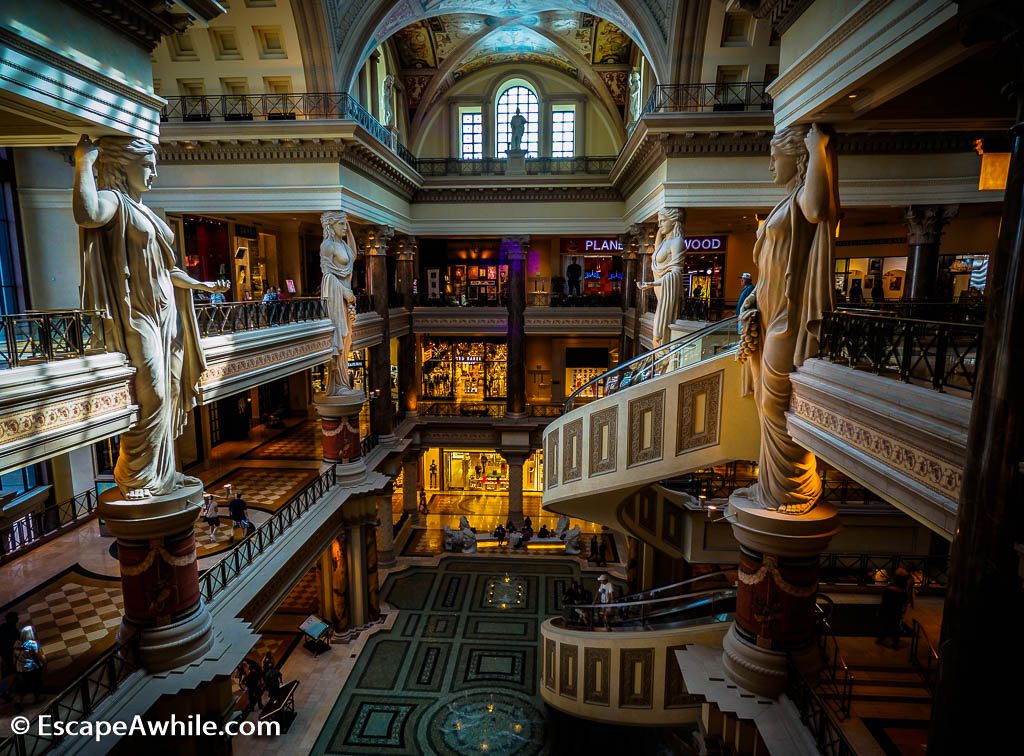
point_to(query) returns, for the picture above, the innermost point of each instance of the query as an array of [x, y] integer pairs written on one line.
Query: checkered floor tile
[[304, 441], [304, 598]]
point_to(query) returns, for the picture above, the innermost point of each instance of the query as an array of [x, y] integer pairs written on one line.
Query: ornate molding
[[572, 450], [367, 161], [55, 415], [940, 475], [688, 439], [230, 368], [250, 150], [606, 418], [519, 194], [925, 222], [639, 452]]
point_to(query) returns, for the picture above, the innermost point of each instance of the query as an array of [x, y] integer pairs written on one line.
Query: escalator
[[660, 415]]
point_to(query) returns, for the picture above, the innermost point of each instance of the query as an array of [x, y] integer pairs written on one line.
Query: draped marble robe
[[126, 274], [667, 268], [337, 260], [794, 260]]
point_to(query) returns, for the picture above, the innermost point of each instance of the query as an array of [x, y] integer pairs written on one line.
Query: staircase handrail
[[930, 667], [670, 586], [655, 356], [651, 602], [834, 669]]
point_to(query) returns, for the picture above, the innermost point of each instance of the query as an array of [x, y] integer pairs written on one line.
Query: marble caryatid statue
[[337, 259], [793, 254], [388, 101], [517, 128], [634, 96], [667, 268], [130, 274]]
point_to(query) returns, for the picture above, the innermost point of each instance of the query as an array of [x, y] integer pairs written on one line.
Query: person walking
[[606, 595], [30, 663], [748, 289], [211, 516], [239, 514], [897, 594]]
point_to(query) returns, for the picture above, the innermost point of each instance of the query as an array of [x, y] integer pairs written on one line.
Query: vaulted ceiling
[[436, 52]]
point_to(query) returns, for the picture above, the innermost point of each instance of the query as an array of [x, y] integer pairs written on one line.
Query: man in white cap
[[746, 291], [606, 595]]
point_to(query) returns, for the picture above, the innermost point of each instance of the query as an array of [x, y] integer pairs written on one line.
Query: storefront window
[[582, 365], [464, 371], [590, 268]]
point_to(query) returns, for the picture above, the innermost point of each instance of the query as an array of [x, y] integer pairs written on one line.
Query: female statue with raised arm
[[667, 268], [337, 259], [130, 274], [793, 253]]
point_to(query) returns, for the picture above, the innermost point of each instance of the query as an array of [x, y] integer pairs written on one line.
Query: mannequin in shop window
[[337, 259], [152, 319], [667, 267]]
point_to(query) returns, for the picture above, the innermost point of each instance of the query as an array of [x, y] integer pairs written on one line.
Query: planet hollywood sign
[[704, 243], [690, 244]]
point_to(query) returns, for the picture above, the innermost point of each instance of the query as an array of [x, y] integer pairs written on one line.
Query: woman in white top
[[606, 595], [211, 516]]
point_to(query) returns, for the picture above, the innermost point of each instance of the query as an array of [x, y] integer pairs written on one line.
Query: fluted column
[[381, 415], [626, 344], [515, 485], [643, 235], [406, 256], [514, 251], [408, 365], [924, 233], [386, 528]]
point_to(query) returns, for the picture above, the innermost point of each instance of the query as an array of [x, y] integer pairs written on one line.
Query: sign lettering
[[602, 245], [704, 243]]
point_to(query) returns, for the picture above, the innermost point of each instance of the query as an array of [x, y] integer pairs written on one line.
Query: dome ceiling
[[436, 52]]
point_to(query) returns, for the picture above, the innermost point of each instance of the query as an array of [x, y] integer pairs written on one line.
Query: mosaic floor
[[304, 441], [458, 671], [76, 615]]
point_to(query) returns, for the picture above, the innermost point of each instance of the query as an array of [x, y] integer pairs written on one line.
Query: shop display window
[[464, 371]]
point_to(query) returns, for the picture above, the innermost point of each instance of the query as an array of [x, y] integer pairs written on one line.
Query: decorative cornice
[[251, 150], [361, 158], [136, 21], [222, 371], [55, 415], [519, 194]]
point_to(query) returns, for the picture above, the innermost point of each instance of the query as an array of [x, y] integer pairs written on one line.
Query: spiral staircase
[[674, 409]]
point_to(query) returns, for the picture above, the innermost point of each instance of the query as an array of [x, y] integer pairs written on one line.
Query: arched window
[[517, 94]]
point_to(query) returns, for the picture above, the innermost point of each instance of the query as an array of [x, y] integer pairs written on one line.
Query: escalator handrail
[[727, 592], [669, 349], [662, 589]]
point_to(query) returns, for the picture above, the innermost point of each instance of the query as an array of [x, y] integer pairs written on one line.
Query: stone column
[[644, 235], [514, 251], [159, 575], [339, 423], [924, 232], [629, 257], [778, 579], [406, 270], [360, 551], [386, 528], [374, 105], [515, 462], [411, 485], [985, 596], [339, 583], [381, 414]]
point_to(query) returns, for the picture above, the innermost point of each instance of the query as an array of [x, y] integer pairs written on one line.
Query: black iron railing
[[29, 530], [924, 657], [463, 409], [942, 355], [34, 337], [282, 107], [835, 675], [78, 700], [220, 575], [814, 713], [675, 355], [970, 310], [535, 166], [931, 573], [367, 444], [614, 299], [231, 317], [709, 98]]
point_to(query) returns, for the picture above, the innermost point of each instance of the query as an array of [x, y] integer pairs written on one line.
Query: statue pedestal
[[159, 575], [778, 580], [516, 163], [339, 419]]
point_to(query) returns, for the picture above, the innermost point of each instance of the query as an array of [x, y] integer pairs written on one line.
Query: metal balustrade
[[232, 317], [29, 530], [535, 166], [281, 107], [943, 355], [709, 98], [39, 336], [814, 713], [220, 575], [79, 700]]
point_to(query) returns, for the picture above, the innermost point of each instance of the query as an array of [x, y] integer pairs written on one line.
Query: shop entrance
[[466, 372]]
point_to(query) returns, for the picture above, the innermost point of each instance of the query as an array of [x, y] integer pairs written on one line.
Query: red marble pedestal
[[339, 420]]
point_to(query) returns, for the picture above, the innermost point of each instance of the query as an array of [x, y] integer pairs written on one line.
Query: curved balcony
[[677, 408], [631, 675]]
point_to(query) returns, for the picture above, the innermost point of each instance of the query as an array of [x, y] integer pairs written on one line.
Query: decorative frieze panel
[[597, 664], [551, 459], [568, 669], [700, 413], [572, 450], [604, 434], [646, 428], [636, 677]]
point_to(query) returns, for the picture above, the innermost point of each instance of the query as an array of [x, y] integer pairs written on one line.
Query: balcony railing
[[218, 577], [281, 107], [709, 98], [29, 530], [942, 355], [40, 336], [462, 409], [535, 166], [77, 701], [232, 317], [814, 713]]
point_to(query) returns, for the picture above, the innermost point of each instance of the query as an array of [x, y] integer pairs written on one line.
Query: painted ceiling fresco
[[455, 45]]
